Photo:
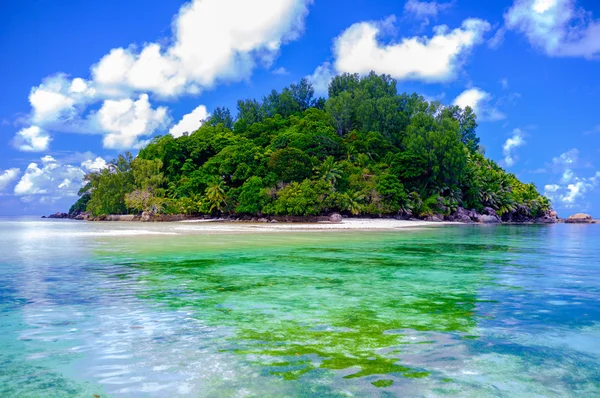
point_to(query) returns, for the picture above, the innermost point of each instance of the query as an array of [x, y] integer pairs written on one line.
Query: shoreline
[[219, 226], [348, 224]]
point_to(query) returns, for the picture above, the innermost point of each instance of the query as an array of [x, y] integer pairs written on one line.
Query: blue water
[[130, 309]]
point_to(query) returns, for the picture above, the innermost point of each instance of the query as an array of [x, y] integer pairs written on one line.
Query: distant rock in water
[[58, 215], [580, 218]]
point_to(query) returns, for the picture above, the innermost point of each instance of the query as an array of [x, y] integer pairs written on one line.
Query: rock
[[488, 219], [44, 217], [550, 217], [580, 218], [147, 216], [435, 218], [460, 215], [488, 211], [58, 215], [262, 220], [335, 218]]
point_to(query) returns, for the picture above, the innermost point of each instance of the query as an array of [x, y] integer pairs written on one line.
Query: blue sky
[[83, 81]]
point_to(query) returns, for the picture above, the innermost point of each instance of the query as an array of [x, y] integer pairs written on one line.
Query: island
[[365, 151]]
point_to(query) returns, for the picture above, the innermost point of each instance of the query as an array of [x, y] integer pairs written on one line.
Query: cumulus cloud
[[424, 10], [59, 99], [571, 194], [321, 78], [190, 122], [431, 59], [8, 176], [481, 103], [125, 121], [566, 160], [93, 165], [210, 44], [32, 139], [557, 27], [51, 180], [571, 189], [280, 71], [511, 144]]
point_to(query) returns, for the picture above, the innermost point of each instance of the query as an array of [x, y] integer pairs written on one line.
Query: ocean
[[162, 310]]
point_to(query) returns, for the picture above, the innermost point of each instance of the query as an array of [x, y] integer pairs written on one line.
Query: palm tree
[[328, 170], [351, 202], [215, 193]]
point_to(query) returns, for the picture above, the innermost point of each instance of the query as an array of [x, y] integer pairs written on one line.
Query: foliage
[[366, 150]]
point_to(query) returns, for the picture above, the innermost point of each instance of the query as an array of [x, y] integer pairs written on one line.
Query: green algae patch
[[383, 383], [416, 375], [340, 305]]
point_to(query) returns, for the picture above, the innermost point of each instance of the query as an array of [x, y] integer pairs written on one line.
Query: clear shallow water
[[144, 310]]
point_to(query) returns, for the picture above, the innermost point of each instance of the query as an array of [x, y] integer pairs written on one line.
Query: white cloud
[[511, 144], [125, 121], [498, 38], [567, 176], [572, 194], [504, 83], [558, 27], [190, 122], [430, 59], [8, 176], [480, 102], [321, 78], [32, 139], [423, 10], [571, 189], [50, 182], [58, 98], [92, 165], [566, 160], [280, 71], [210, 44]]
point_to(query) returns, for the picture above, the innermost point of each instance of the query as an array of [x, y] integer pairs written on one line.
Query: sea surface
[[153, 310]]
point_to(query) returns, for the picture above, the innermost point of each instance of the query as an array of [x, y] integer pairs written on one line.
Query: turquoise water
[[162, 310]]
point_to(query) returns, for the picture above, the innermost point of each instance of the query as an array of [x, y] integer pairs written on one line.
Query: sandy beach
[[358, 224]]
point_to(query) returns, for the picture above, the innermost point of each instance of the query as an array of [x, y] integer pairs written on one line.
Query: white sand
[[346, 224]]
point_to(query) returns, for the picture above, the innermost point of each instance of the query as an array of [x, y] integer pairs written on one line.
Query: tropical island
[[365, 151]]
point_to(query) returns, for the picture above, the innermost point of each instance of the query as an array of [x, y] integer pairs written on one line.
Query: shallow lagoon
[[149, 310]]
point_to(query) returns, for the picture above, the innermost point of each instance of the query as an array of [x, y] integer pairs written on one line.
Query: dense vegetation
[[366, 150]]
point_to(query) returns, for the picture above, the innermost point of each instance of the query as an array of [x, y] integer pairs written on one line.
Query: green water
[[160, 310]]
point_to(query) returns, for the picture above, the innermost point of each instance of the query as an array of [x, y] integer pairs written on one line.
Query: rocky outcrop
[[435, 218], [58, 215], [490, 216], [461, 215], [335, 218], [580, 218], [550, 217]]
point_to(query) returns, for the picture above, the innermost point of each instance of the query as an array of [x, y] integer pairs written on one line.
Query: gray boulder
[[488, 211], [460, 215], [335, 218], [435, 218], [488, 219]]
